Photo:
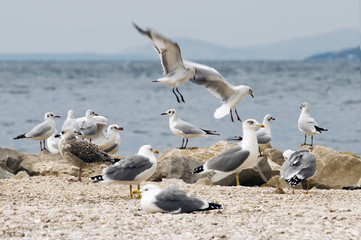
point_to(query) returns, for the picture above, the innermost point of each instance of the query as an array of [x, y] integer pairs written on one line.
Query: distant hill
[[292, 49], [346, 54]]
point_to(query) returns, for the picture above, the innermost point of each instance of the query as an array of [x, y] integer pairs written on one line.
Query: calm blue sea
[[123, 92]]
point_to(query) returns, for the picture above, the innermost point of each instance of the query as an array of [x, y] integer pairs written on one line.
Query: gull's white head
[[251, 124], [147, 151], [287, 154], [170, 113], [90, 113], [71, 114], [305, 106], [114, 128], [246, 90], [267, 119], [50, 115]]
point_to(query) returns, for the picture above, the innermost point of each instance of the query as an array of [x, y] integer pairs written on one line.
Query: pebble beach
[[52, 207]]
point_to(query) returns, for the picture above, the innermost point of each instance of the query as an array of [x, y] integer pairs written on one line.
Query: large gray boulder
[[335, 169], [10, 160]]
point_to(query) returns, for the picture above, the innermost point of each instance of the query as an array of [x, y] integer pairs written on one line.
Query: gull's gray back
[[172, 199], [229, 160], [301, 163], [128, 168]]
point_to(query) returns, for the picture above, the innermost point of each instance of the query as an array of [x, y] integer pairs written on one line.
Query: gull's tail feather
[[212, 206], [198, 169], [222, 111], [210, 132], [320, 129], [97, 178], [20, 136]]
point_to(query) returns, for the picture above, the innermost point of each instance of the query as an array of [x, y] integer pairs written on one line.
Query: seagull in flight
[[174, 71], [214, 82]]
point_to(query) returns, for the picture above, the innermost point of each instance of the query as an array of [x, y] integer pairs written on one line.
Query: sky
[[104, 26]]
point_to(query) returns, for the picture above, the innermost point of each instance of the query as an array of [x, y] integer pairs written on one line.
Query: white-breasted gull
[[264, 134], [241, 156], [172, 200], [185, 129], [133, 169], [307, 124], [42, 131]]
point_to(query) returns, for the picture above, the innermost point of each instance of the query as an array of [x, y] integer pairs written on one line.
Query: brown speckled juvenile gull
[[80, 153]]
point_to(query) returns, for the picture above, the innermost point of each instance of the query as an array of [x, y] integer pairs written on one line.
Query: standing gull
[[70, 122], [172, 200], [88, 126], [264, 134], [42, 131], [212, 80], [185, 129], [80, 153], [132, 169], [307, 124], [174, 71], [298, 166], [113, 130], [236, 158]]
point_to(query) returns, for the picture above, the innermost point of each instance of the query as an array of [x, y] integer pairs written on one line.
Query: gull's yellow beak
[[156, 151], [260, 125]]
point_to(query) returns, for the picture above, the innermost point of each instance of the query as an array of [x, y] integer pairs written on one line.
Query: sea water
[[123, 92]]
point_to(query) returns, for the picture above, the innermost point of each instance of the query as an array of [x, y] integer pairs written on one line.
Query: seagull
[[42, 131], [70, 122], [113, 130], [81, 153], [108, 141], [133, 169], [185, 129], [264, 134], [53, 142], [213, 81], [172, 200], [88, 126], [174, 71], [236, 158], [307, 124], [298, 166]]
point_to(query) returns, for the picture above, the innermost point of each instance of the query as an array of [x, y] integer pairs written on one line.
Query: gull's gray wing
[[301, 164], [128, 168], [229, 160], [188, 128], [175, 200], [39, 130], [88, 152], [88, 127], [169, 52], [263, 137], [212, 80]]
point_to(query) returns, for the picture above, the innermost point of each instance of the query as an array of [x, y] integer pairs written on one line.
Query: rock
[[10, 160], [177, 167], [274, 155], [276, 182], [201, 154], [5, 174], [335, 169], [21, 175]]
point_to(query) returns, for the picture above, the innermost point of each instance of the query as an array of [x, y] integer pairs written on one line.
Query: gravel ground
[[53, 208]]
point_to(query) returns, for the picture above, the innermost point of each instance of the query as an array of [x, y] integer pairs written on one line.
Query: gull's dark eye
[[250, 122], [62, 132]]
